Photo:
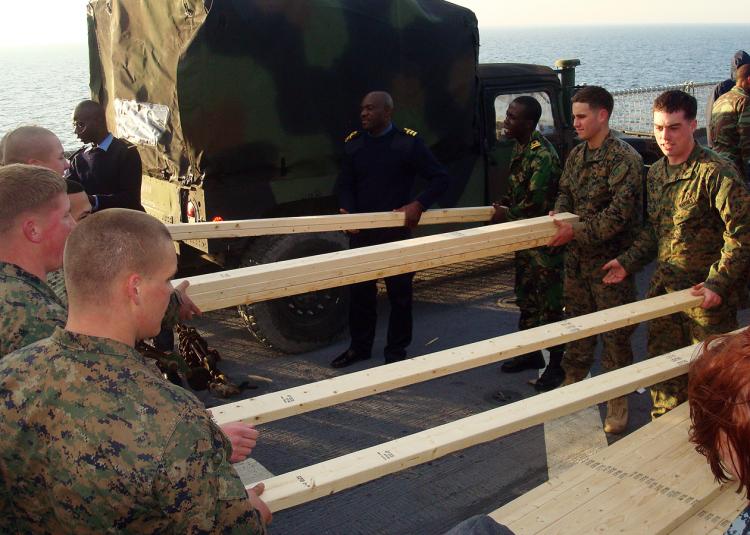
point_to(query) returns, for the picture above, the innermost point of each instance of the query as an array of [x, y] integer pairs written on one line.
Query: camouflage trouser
[[586, 293], [539, 288], [679, 330]]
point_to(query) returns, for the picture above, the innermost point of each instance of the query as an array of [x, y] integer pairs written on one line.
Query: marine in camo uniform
[[601, 183], [730, 123], [698, 229], [92, 440], [533, 181]]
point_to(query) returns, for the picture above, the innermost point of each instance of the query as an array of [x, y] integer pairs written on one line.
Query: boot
[[551, 378], [529, 361], [553, 374], [617, 415]]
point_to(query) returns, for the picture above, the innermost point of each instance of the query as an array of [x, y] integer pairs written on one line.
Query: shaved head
[[90, 122], [111, 244], [27, 144], [376, 111], [381, 97]]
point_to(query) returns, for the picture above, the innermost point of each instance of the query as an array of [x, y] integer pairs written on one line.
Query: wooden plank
[[318, 280], [715, 517], [504, 233], [558, 488], [301, 399], [322, 223], [309, 483], [290, 277], [650, 494], [360, 260]]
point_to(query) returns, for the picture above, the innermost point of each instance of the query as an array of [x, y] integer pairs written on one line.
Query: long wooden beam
[[322, 223], [335, 475], [291, 277], [309, 397]]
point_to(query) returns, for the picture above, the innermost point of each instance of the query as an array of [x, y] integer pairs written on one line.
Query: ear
[[32, 230], [693, 124], [603, 115], [134, 285]]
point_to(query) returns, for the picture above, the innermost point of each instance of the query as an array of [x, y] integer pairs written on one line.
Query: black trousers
[[363, 301]]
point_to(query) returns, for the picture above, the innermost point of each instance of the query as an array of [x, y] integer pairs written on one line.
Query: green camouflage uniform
[[533, 181], [730, 123], [29, 309], [93, 441], [603, 187], [698, 229], [56, 281]]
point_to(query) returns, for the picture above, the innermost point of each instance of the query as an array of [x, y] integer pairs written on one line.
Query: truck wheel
[[304, 322]]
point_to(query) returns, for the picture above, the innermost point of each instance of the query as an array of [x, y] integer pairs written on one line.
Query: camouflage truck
[[240, 108]]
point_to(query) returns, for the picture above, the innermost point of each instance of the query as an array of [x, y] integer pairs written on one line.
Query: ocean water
[[43, 84]]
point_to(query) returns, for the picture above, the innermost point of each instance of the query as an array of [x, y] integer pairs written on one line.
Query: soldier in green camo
[[533, 180], [601, 183], [92, 440], [730, 123], [698, 229]]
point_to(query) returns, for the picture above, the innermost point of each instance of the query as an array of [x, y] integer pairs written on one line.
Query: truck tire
[[298, 323]]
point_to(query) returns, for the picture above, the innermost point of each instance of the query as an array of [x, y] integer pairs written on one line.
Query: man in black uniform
[[380, 164], [110, 168]]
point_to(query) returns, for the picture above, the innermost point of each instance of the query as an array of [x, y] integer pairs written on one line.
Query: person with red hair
[[719, 395]]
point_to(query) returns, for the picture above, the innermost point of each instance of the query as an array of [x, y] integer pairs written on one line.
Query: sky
[[28, 22]]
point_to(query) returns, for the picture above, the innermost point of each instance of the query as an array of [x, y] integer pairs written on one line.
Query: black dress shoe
[[551, 378], [347, 358], [529, 361]]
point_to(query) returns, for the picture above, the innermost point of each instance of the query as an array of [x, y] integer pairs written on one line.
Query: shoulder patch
[[409, 132], [351, 136], [535, 144]]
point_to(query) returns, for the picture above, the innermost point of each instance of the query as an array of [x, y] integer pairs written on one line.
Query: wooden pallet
[[650, 482], [291, 277], [301, 399], [312, 482], [322, 223]]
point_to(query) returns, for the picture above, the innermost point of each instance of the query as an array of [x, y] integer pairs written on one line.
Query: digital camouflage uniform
[[533, 181], [730, 124], [603, 187], [29, 309], [698, 229], [92, 441]]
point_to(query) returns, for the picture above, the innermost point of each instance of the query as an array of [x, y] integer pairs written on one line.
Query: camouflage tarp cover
[[270, 88]]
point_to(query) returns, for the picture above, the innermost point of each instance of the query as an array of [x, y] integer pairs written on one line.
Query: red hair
[[718, 390]]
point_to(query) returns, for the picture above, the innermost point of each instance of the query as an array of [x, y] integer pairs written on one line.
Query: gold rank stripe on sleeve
[[410, 132], [351, 136]]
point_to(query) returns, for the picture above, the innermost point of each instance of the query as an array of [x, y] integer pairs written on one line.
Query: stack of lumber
[[309, 397], [312, 482], [652, 481], [291, 277], [321, 223]]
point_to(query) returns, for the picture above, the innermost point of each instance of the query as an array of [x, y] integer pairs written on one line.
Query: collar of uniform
[[686, 168], [385, 132], [94, 344], [11, 270], [106, 142], [594, 155], [740, 91], [519, 149]]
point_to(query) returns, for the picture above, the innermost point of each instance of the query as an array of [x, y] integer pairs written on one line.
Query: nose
[[66, 164]]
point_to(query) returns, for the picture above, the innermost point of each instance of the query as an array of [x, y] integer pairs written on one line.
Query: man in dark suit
[[109, 168]]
